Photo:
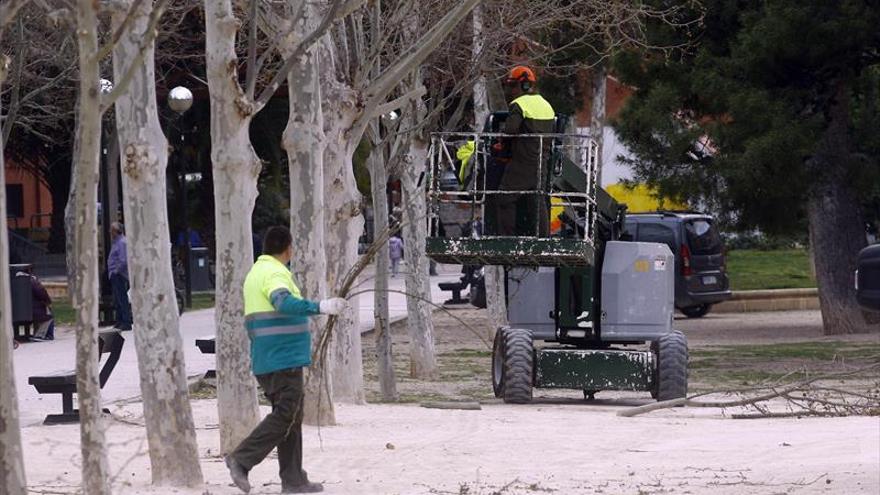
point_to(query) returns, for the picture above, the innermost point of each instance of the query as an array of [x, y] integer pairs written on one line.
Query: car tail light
[[686, 261]]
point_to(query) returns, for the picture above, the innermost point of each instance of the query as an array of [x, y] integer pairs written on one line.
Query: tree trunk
[[419, 322], [837, 231], [342, 230], [70, 232], [12, 477], [481, 96], [597, 115], [304, 142], [493, 276], [174, 456], [95, 474], [385, 355], [235, 168]]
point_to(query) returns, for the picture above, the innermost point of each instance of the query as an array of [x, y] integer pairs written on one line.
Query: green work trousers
[[282, 428]]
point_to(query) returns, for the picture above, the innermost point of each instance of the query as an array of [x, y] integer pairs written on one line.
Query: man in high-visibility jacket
[[276, 319], [530, 113]]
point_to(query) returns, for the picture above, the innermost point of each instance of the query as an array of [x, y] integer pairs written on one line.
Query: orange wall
[[36, 197], [615, 96]]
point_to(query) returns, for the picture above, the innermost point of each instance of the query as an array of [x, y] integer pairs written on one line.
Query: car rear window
[[703, 237], [655, 232]]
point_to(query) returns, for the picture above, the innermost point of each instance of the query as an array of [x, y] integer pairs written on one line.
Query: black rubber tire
[[519, 359], [498, 363], [698, 311], [671, 377]]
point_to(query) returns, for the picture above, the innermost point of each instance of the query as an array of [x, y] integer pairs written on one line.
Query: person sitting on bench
[[43, 320]]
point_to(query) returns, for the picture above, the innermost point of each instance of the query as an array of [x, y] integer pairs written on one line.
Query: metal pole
[[187, 269], [105, 210]]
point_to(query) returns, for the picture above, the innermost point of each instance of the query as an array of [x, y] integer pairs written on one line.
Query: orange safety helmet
[[521, 73]]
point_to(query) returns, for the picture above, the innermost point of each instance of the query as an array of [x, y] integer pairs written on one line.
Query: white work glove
[[332, 306]]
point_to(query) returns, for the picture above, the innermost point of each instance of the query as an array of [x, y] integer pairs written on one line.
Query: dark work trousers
[[522, 214], [119, 287], [282, 428]]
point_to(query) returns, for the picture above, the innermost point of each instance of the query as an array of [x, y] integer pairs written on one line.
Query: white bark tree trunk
[[481, 95], [95, 474], [12, 476], [419, 323], [343, 227], [493, 276], [384, 351], [174, 456], [236, 168], [347, 112], [304, 142], [597, 114]]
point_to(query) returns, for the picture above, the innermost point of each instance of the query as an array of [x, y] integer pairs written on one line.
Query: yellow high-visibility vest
[[535, 107]]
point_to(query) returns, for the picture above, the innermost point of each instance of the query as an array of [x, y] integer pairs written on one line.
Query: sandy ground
[[559, 444], [565, 447]]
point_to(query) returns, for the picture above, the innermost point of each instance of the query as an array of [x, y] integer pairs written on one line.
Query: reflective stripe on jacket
[[279, 340]]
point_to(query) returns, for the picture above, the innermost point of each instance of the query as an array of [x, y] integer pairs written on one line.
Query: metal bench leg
[[68, 414], [67, 402]]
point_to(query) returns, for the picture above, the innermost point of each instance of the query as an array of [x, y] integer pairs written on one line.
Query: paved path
[[41, 358]]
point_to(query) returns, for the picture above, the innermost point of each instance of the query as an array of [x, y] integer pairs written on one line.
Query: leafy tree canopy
[[759, 79]]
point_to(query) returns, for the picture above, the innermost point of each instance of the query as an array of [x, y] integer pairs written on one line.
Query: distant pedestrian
[[395, 247], [117, 268]]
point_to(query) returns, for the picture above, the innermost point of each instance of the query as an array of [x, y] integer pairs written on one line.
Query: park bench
[[467, 279], [456, 288], [206, 345], [110, 342]]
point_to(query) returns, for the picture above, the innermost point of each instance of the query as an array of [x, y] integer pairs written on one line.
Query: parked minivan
[[701, 278]]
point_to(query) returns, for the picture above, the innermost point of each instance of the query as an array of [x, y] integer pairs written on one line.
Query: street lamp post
[[180, 100], [106, 88]]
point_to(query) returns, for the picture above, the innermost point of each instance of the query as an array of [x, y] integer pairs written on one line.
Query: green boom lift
[[599, 307]]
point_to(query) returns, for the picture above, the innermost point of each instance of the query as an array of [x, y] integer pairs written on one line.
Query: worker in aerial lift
[[526, 169]]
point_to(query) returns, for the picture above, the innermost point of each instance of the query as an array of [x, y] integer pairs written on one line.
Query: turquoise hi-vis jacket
[[276, 318]]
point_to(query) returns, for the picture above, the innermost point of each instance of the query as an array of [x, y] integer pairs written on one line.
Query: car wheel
[[696, 311]]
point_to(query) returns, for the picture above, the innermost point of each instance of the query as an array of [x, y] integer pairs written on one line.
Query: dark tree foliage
[[768, 116], [759, 79]]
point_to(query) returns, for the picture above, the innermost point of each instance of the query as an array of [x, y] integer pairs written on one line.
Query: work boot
[[307, 487], [238, 473]]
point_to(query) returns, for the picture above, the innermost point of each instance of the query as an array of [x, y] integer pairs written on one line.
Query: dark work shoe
[[307, 487], [238, 473]]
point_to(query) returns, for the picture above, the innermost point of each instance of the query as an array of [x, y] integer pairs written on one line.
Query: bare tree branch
[[148, 38], [871, 404], [398, 102], [333, 13], [7, 12], [382, 86], [129, 17], [251, 78]]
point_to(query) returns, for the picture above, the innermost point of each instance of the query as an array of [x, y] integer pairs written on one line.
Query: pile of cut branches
[[828, 395]]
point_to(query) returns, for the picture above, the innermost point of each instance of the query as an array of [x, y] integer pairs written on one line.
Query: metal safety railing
[[565, 174]]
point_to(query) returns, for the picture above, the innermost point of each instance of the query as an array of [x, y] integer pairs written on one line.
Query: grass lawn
[[729, 366], [65, 315], [751, 269]]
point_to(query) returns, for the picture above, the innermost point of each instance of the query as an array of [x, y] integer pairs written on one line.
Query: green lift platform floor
[[518, 251]]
